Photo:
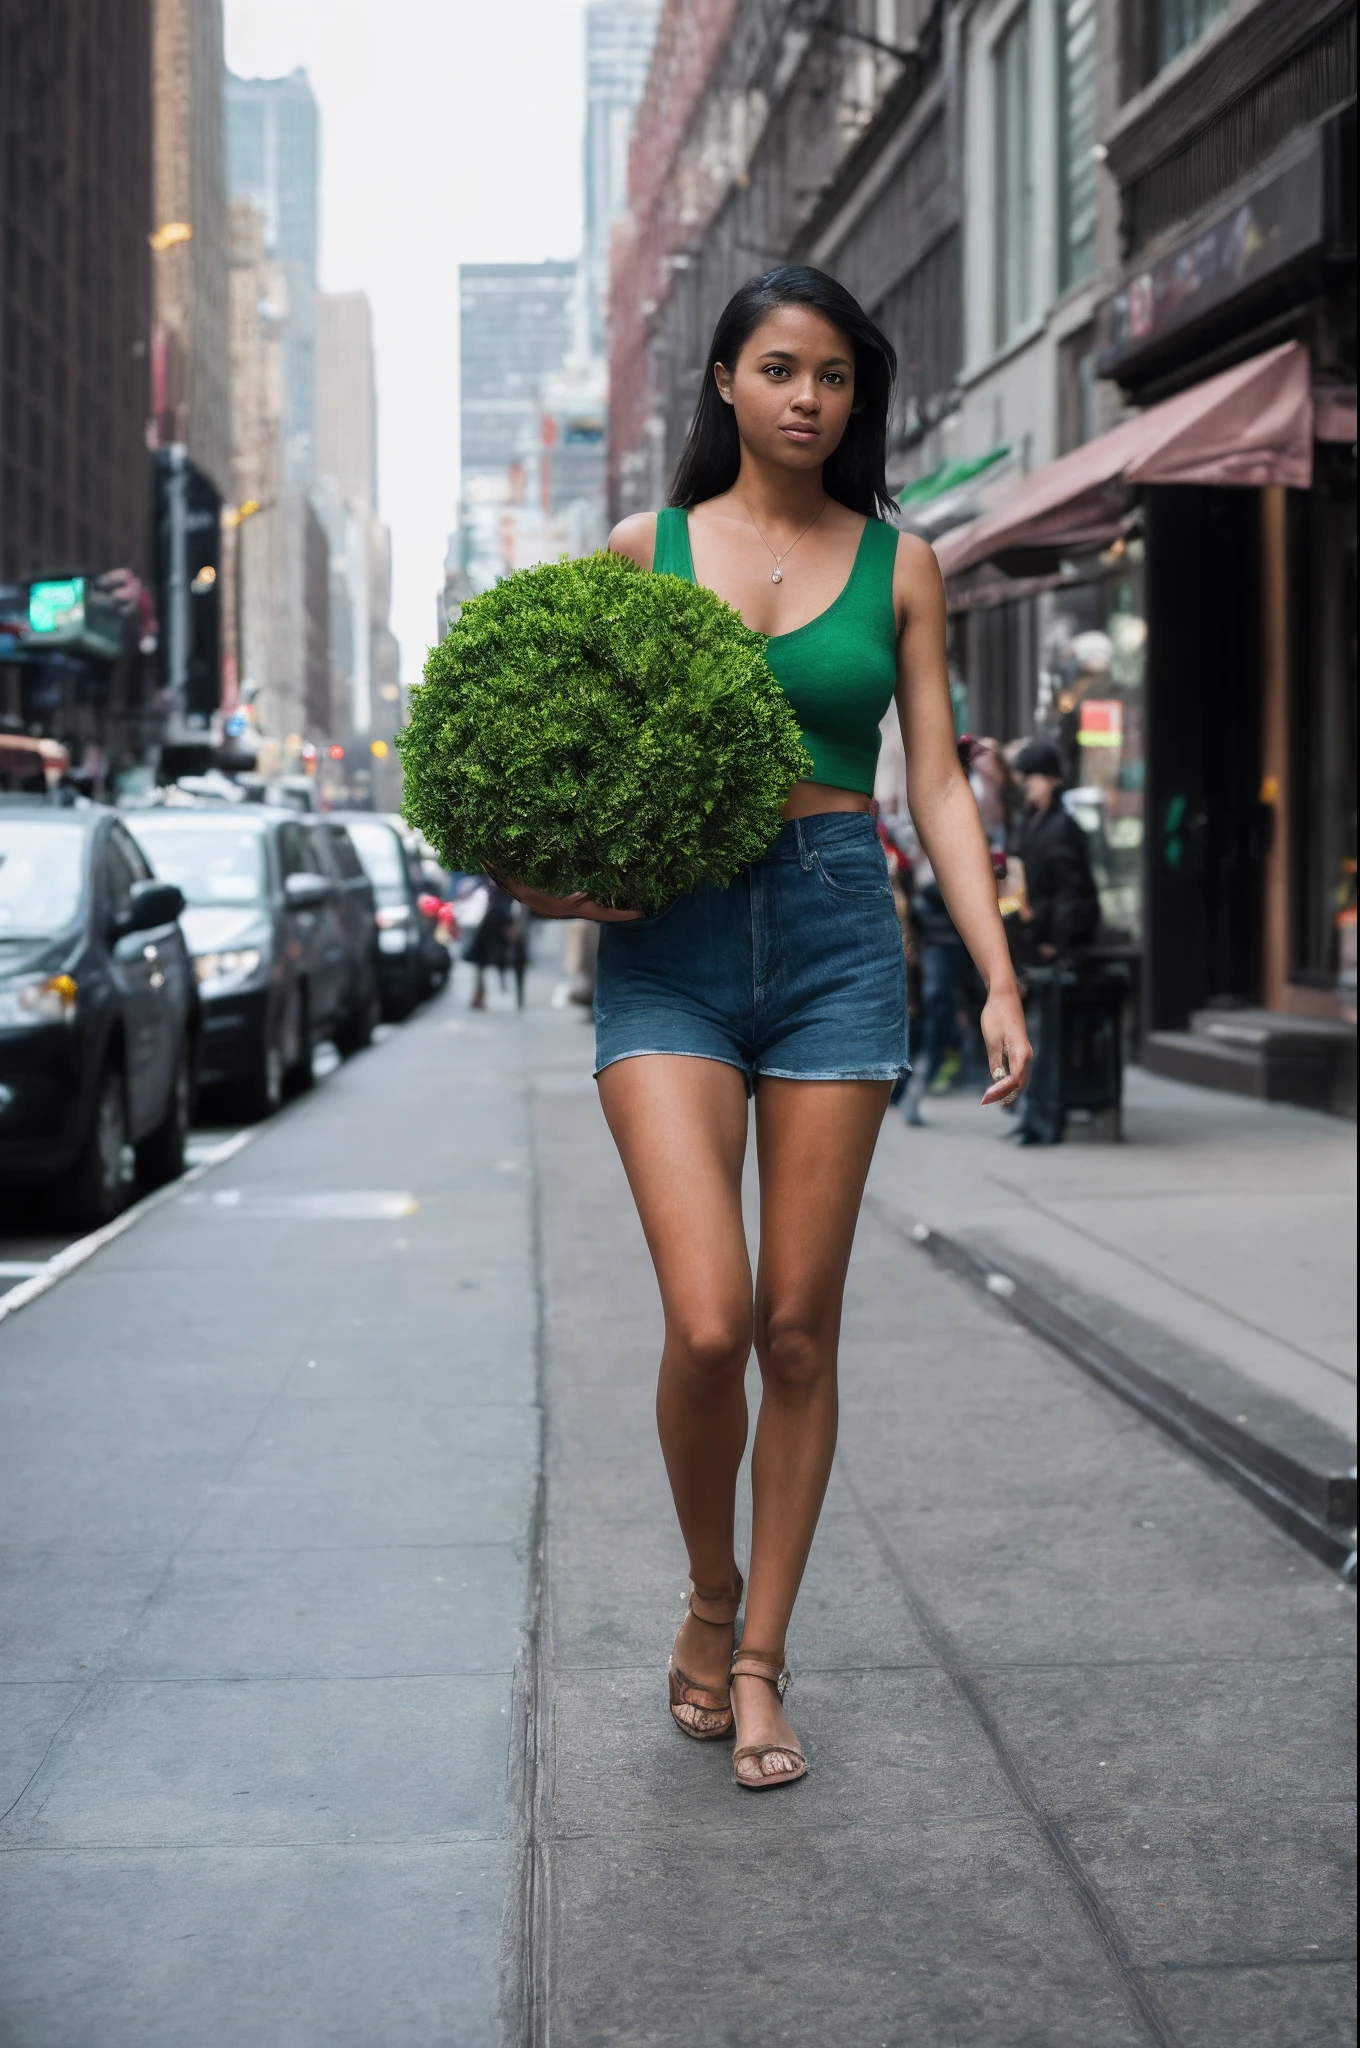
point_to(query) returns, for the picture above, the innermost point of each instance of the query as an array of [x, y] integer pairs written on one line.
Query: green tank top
[[838, 671]]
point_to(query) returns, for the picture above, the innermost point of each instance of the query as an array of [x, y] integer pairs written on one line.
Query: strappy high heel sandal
[[757, 1664], [704, 1712]]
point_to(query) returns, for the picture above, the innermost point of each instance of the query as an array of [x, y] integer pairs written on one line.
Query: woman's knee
[[796, 1358], [709, 1346]]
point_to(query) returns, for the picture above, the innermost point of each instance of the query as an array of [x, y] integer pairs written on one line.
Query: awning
[[1250, 425], [948, 476]]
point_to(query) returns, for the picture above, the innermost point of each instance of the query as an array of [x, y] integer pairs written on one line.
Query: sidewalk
[[329, 1715], [1077, 1713], [1212, 1253]]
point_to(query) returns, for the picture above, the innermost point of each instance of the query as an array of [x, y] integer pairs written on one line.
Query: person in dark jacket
[[1064, 912], [1063, 904]]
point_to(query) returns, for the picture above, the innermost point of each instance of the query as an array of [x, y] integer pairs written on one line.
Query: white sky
[[450, 133]]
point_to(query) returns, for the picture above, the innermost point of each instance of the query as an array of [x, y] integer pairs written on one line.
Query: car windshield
[[41, 875], [380, 851], [213, 863]]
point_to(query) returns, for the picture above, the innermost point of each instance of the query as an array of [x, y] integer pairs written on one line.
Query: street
[[340, 1574]]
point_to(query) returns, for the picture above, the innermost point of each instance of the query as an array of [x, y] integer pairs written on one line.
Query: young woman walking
[[789, 983]]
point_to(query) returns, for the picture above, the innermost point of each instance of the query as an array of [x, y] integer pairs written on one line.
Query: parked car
[[99, 1014], [280, 961], [413, 952]]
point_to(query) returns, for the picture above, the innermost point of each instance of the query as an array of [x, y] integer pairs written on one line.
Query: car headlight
[[391, 915], [218, 972], [39, 999]]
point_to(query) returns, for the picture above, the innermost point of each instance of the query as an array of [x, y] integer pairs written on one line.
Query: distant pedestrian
[[789, 983], [1063, 912], [500, 940]]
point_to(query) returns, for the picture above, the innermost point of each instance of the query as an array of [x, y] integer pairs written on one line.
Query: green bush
[[585, 725]]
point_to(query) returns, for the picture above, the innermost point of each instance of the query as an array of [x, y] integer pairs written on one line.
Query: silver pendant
[[776, 575]]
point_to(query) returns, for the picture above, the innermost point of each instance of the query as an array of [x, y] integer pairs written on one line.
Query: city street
[[340, 1574]]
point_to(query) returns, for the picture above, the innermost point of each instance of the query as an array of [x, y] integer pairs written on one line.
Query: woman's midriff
[[811, 799]]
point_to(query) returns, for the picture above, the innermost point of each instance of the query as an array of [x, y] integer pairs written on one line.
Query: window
[[1012, 190], [343, 847], [1076, 141], [297, 854], [1175, 24]]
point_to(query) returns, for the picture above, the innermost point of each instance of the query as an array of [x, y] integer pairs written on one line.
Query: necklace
[[777, 574]]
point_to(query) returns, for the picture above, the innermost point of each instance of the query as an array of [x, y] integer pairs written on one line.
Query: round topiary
[[586, 725]]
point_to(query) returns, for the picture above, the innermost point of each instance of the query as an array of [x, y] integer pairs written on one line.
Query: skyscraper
[[619, 37], [273, 160], [190, 348], [515, 324]]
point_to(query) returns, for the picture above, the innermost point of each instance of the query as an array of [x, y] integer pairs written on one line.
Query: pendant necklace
[[777, 574]]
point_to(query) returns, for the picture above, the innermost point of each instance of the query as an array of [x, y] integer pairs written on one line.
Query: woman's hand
[[1008, 1047], [542, 905]]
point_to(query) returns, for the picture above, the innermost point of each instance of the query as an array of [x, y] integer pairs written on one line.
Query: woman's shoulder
[[635, 537]]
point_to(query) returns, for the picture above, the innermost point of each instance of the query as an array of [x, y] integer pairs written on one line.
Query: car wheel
[[100, 1182], [263, 1092], [160, 1157]]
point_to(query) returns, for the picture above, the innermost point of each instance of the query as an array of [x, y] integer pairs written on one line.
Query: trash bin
[[1077, 1005]]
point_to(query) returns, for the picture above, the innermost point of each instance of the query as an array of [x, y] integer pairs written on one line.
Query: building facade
[[518, 324], [75, 307], [274, 161], [273, 169], [366, 694], [190, 346], [619, 37]]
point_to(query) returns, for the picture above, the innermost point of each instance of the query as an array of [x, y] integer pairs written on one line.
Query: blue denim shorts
[[794, 970]]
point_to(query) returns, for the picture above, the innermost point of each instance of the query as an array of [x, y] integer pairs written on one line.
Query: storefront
[[1189, 579]]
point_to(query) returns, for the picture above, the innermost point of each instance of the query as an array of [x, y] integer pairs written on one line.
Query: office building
[[273, 160], [619, 37]]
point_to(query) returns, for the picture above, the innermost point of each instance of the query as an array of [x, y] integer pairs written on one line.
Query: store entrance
[[1206, 827]]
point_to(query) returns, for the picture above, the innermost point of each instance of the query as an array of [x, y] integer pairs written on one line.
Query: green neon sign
[[57, 607]]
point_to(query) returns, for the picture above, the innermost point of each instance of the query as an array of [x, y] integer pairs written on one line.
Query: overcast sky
[[450, 133]]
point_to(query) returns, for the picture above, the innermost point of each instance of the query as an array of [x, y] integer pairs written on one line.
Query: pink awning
[[1250, 425]]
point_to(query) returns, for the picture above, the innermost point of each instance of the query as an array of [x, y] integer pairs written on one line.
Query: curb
[[1316, 1508]]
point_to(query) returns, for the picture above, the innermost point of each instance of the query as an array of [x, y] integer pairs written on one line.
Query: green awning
[[948, 477]]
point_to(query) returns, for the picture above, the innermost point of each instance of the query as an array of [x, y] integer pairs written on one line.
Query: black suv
[[413, 957], [282, 939], [98, 1010]]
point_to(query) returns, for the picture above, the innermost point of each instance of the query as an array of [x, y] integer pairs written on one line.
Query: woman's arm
[[945, 813]]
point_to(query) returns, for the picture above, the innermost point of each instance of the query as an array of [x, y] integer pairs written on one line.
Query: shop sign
[[1282, 220], [65, 612]]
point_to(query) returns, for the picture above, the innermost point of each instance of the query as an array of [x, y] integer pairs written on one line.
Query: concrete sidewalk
[[1206, 1266], [1078, 1715], [332, 1715]]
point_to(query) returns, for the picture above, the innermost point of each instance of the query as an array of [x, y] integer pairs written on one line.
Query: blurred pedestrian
[[789, 983], [1062, 912], [500, 940]]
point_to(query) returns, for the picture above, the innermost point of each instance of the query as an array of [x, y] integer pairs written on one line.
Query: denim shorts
[[794, 970]]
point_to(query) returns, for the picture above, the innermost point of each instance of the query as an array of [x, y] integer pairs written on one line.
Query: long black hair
[[855, 474]]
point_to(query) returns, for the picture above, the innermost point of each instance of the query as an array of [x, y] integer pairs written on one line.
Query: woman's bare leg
[[680, 1126], [815, 1140]]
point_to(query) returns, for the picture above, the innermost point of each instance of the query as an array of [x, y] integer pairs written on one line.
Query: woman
[[789, 983]]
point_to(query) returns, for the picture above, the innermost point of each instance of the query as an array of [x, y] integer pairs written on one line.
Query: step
[[1276, 1058]]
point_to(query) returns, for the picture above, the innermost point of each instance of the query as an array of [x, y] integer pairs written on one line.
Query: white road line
[[85, 1247]]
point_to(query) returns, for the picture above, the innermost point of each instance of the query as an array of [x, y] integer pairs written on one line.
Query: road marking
[[337, 1205], [85, 1247], [20, 1269]]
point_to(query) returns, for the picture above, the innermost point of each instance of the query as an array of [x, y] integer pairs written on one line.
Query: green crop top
[[838, 671]]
